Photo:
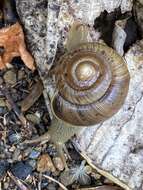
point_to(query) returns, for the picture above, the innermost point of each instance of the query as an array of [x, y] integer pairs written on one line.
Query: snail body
[[60, 132], [92, 82]]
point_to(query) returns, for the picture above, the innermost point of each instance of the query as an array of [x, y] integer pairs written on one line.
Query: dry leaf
[[33, 96], [45, 164], [12, 40]]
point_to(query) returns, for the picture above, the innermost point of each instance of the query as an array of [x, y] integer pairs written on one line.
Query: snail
[[92, 82]]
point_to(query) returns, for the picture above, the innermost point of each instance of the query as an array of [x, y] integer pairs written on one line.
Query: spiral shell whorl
[[92, 83]]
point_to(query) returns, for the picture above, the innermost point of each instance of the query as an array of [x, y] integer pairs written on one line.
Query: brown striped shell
[[92, 82]]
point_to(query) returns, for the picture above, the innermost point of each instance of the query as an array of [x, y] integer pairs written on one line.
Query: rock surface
[[45, 33], [33, 15]]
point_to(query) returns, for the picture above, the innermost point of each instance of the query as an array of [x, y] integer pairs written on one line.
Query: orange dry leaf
[[12, 40]]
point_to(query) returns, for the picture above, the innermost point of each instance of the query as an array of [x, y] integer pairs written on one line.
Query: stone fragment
[[21, 170], [10, 77]]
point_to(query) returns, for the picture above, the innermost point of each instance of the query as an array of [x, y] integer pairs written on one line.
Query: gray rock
[[14, 138], [10, 77], [34, 154], [3, 167], [51, 186], [33, 118], [21, 170], [2, 102]]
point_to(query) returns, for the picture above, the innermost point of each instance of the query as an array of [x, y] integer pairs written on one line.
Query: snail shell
[[92, 82]]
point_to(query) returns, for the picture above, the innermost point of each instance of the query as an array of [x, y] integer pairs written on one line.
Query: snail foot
[[60, 149]]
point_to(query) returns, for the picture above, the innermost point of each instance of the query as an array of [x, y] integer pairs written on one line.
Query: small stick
[[39, 181]]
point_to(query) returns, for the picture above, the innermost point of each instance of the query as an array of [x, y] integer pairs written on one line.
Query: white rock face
[[93, 8], [115, 147], [60, 19], [46, 23]]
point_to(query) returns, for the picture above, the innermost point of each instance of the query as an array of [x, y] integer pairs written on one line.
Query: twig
[[1, 125], [39, 181], [52, 179], [15, 108], [102, 187], [18, 182]]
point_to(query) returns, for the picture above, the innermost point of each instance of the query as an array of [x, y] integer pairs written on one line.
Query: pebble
[[33, 118], [1, 80], [34, 154], [88, 169], [16, 156], [21, 74], [21, 170], [58, 163], [3, 110], [6, 185], [66, 178], [3, 167], [51, 186], [2, 102], [96, 176], [12, 148], [44, 184], [14, 138], [10, 77]]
